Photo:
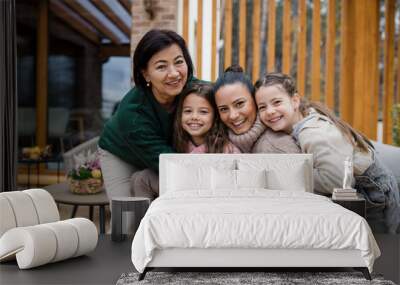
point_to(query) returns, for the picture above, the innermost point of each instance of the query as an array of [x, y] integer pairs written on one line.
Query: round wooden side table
[[63, 195]]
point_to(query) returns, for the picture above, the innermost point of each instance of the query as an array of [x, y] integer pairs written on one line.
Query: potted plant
[[86, 177]]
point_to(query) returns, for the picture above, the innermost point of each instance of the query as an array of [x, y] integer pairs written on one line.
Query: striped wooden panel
[[359, 41], [388, 71], [199, 38], [371, 114], [316, 52], [301, 48], [374, 70], [185, 21], [271, 35], [256, 39], [242, 33], [228, 34], [286, 37], [398, 72], [214, 41], [330, 56], [365, 64], [346, 61]]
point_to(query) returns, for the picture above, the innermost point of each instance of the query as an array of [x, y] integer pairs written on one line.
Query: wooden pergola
[[106, 24]]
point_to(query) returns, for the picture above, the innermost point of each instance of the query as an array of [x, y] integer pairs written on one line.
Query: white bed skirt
[[235, 257]]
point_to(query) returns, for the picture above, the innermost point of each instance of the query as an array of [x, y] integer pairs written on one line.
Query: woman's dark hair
[[287, 84], [216, 138], [234, 74], [152, 42]]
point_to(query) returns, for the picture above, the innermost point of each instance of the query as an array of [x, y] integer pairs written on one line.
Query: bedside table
[[357, 205]]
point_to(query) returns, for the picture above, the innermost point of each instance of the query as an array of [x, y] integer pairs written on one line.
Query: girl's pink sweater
[[229, 148]]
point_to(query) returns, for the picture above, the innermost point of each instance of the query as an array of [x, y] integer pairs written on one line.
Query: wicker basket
[[86, 186]]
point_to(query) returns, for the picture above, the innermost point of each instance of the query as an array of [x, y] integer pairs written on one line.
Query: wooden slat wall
[[214, 42], [301, 47], [357, 86], [398, 71], [271, 35], [256, 39], [330, 56], [372, 62], [242, 32], [287, 29], [389, 71], [358, 74], [346, 60], [199, 38], [316, 52], [185, 21], [359, 42], [228, 34]]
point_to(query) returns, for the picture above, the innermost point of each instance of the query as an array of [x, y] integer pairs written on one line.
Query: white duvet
[[253, 218]]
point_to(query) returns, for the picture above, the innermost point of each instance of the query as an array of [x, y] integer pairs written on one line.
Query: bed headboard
[[286, 168]]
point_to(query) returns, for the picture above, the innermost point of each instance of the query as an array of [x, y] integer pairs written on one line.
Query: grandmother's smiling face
[[236, 107], [167, 73]]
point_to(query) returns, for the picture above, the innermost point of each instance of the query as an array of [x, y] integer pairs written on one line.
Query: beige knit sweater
[[260, 139]]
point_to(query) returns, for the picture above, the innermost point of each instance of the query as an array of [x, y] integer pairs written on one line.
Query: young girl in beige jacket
[[331, 140]]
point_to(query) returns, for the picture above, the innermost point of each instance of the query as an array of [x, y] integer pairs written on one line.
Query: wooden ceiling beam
[[73, 20], [110, 14], [85, 14], [126, 4], [115, 50]]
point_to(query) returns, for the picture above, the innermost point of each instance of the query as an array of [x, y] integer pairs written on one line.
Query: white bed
[[247, 210]]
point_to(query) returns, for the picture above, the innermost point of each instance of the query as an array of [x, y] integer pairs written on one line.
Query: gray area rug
[[229, 278]]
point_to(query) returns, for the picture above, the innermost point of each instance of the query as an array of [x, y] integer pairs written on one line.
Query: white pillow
[[290, 179], [251, 178], [183, 177], [226, 179], [223, 179], [282, 174]]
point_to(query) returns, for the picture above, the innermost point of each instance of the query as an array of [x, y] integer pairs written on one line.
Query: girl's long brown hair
[[216, 138], [285, 82]]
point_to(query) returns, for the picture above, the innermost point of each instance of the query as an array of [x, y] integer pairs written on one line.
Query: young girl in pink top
[[197, 127]]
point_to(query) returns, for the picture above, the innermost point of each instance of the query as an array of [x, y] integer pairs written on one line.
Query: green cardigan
[[140, 130]]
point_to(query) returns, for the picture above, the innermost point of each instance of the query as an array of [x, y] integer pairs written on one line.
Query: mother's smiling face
[[236, 107]]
